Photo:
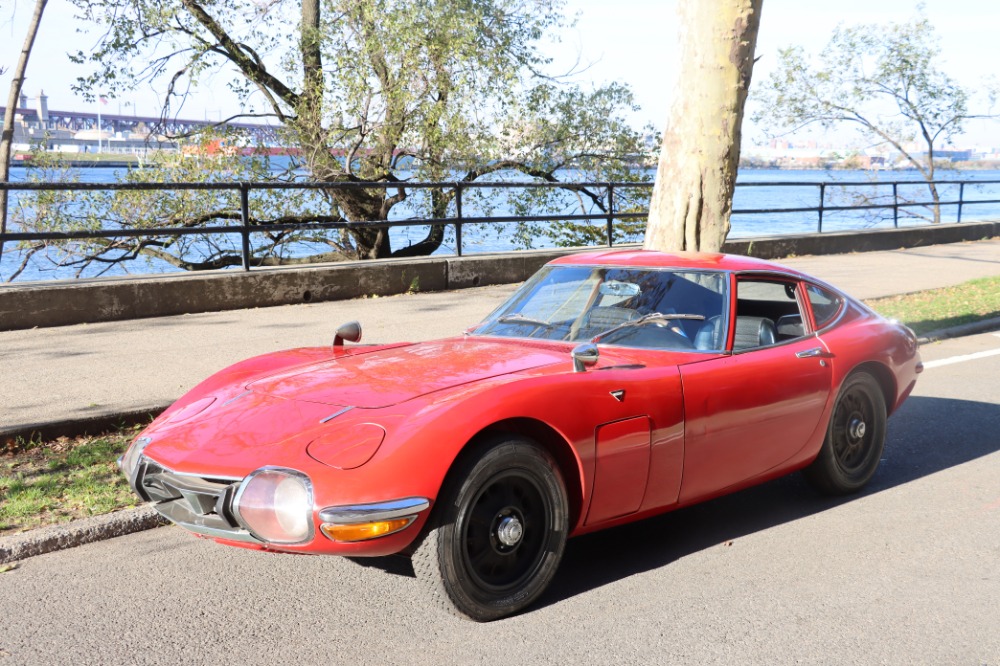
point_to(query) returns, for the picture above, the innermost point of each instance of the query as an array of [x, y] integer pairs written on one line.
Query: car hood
[[390, 376]]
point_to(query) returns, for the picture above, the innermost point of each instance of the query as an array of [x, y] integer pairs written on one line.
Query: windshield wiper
[[651, 318], [521, 319]]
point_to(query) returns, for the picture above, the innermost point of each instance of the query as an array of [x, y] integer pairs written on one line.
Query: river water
[[756, 189]]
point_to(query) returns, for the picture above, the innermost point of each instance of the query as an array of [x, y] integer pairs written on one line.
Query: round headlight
[[276, 505]]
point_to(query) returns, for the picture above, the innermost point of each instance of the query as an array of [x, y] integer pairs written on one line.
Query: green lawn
[[52, 482], [927, 311]]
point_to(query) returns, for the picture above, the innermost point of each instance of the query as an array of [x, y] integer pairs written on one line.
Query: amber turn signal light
[[365, 531]]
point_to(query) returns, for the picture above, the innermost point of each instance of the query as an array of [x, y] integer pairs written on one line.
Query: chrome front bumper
[[368, 513], [203, 505]]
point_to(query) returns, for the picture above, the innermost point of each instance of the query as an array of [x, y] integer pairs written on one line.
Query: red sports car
[[612, 386]]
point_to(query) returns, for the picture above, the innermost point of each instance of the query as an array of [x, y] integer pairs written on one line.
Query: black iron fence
[[887, 198], [246, 227]]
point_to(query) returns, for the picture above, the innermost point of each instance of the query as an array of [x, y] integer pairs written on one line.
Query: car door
[[748, 412]]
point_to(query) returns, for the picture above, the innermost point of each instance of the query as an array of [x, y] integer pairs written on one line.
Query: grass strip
[[55, 482], [932, 310]]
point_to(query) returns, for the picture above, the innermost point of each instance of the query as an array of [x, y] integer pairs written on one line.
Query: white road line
[[961, 359]]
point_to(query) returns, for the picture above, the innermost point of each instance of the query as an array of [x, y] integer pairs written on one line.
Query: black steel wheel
[[855, 438], [495, 543]]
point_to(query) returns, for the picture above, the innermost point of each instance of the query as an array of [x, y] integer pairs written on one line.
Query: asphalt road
[[906, 573]]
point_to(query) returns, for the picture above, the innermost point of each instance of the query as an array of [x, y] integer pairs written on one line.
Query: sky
[[629, 41]]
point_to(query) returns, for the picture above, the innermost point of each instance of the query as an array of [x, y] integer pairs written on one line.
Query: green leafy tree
[[376, 92], [882, 79], [103, 210]]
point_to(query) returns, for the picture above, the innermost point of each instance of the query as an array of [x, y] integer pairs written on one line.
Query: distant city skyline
[[632, 41]]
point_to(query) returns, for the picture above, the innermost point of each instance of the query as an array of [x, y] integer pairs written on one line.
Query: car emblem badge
[[618, 395]]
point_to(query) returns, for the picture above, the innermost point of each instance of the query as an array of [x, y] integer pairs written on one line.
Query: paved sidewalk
[[92, 370]]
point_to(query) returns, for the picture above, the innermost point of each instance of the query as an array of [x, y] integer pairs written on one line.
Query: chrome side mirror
[[351, 331], [584, 356]]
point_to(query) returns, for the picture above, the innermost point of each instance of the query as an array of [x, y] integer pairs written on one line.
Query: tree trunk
[[935, 197], [936, 206], [7, 137], [693, 194]]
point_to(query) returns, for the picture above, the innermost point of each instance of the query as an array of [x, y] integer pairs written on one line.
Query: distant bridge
[[41, 118]]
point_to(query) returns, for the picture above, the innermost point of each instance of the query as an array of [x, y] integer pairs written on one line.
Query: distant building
[[952, 155]]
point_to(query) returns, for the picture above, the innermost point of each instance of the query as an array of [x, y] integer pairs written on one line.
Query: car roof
[[686, 260]]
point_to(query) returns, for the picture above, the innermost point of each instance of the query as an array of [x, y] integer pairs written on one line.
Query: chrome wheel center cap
[[510, 531], [857, 429]]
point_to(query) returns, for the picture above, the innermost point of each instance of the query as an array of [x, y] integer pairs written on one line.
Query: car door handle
[[815, 352]]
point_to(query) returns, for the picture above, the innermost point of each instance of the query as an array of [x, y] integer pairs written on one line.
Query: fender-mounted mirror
[[584, 356], [351, 331]]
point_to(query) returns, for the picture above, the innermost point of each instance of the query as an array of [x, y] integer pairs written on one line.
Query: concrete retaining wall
[[64, 302], [843, 242]]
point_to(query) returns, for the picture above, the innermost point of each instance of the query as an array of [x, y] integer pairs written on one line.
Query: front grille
[[199, 504]]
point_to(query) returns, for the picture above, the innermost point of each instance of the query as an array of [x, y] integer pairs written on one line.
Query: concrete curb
[[78, 532], [119, 523], [975, 327], [94, 424]]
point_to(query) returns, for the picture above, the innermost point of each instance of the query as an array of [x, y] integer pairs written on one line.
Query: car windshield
[[634, 307]]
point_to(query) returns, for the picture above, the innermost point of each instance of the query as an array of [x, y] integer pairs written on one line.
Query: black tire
[[855, 438], [498, 531]]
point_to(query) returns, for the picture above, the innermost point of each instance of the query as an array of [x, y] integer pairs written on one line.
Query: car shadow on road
[[926, 436]]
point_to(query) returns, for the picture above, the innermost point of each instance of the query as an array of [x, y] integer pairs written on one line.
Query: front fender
[[427, 440]]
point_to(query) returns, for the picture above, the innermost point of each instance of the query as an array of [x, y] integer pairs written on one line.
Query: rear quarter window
[[825, 305]]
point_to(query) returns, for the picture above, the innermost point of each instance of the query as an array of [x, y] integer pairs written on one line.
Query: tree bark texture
[[7, 137], [693, 194]]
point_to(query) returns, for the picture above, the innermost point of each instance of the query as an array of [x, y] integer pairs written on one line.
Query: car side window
[[767, 313], [641, 307], [825, 305]]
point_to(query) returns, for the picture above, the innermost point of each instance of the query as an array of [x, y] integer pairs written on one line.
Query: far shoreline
[[113, 161]]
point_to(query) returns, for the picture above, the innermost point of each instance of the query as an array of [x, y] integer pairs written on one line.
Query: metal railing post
[[611, 215], [961, 196], [458, 219], [245, 223], [822, 197], [895, 206]]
